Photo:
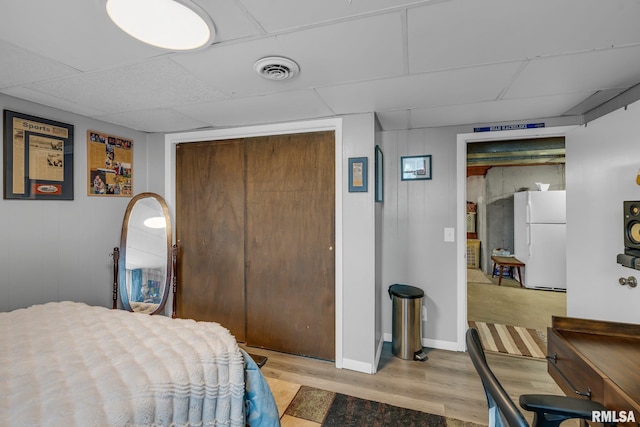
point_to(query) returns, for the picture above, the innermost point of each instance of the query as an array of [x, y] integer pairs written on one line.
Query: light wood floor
[[447, 383], [509, 304]]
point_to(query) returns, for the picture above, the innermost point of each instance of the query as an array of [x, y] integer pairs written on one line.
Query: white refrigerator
[[539, 237]]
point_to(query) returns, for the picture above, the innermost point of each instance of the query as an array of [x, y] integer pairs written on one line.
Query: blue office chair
[[549, 410]]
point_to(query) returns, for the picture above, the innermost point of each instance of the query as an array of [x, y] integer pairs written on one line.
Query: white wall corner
[[356, 365]]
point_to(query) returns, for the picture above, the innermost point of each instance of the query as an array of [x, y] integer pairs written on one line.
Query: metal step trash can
[[406, 339]]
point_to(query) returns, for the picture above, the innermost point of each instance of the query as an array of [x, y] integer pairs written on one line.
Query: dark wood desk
[[597, 360], [509, 262]]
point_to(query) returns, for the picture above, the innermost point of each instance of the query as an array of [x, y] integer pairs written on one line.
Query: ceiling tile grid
[[415, 63]]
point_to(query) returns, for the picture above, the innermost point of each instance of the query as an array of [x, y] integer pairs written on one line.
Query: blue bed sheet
[[261, 409]]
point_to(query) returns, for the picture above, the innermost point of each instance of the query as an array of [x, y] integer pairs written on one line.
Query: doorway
[[255, 223], [461, 162], [496, 171]]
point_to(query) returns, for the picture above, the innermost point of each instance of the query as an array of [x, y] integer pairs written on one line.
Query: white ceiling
[[414, 63]]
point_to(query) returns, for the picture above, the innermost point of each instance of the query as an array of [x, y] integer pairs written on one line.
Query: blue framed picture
[[358, 175], [413, 168]]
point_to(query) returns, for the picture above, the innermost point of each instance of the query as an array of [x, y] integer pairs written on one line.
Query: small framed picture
[[413, 168], [358, 175]]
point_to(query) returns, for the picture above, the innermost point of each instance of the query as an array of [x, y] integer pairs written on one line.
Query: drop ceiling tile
[[156, 120], [78, 34], [596, 99], [51, 101], [419, 91], [20, 66], [229, 19], [342, 52], [279, 107], [468, 32], [587, 71], [393, 120], [146, 85], [276, 15], [494, 111]]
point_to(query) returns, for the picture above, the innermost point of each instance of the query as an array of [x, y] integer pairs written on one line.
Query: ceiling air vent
[[276, 68]]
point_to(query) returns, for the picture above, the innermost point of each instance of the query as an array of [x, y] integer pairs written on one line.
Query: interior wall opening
[[496, 170]]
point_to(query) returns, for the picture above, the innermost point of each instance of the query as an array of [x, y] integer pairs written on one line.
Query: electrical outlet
[[424, 313]]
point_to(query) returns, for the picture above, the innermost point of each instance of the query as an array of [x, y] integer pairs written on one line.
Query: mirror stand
[[174, 278], [116, 259]]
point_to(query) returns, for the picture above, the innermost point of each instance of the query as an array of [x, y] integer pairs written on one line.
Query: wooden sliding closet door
[[290, 280], [210, 206], [255, 224]]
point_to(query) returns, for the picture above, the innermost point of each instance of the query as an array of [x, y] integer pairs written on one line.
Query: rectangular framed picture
[[379, 174], [109, 165], [358, 175], [413, 168], [38, 158]]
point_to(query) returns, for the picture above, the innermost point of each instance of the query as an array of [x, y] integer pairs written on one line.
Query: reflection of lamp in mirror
[[155, 222]]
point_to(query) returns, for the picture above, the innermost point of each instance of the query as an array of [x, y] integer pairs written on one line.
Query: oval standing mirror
[[144, 265]]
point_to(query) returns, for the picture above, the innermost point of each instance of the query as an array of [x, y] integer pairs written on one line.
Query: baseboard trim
[[356, 365], [428, 342]]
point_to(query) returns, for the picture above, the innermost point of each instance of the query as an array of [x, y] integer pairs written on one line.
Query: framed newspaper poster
[[110, 165], [38, 158]]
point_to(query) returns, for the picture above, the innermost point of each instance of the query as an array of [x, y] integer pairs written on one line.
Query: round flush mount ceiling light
[[276, 68], [168, 24]]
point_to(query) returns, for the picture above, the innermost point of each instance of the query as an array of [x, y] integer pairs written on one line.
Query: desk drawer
[[572, 373]]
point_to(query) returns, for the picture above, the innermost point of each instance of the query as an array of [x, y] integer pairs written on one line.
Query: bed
[[71, 364]]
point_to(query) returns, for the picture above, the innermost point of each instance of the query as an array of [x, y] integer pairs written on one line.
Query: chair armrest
[[567, 407]]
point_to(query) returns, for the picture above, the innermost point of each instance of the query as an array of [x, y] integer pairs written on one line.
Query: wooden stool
[[506, 261]]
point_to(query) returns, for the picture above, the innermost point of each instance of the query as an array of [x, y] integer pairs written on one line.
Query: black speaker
[[632, 225]]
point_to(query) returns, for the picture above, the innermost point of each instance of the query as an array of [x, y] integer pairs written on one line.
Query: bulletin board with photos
[[110, 165]]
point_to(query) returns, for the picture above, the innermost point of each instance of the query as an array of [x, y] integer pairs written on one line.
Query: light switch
[[449, 235]]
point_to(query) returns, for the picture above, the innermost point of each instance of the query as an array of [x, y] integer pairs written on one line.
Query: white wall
[[359, 243], [415, 216], [55, 251], [603, 159], [59, 250]]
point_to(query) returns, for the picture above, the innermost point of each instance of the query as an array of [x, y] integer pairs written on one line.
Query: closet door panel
[[290, 264], [210, 228]]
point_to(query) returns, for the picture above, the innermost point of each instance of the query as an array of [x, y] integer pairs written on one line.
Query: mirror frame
[[122, 256]]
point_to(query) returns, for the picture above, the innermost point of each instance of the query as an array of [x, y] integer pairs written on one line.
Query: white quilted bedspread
[[70, 364]]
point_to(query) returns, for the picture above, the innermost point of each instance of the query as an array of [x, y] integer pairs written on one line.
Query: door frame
[[335, 125], [461, 193]]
